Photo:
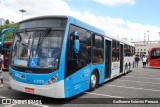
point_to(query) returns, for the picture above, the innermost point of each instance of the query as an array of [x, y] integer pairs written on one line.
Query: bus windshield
[[37, 48], [155, 53]]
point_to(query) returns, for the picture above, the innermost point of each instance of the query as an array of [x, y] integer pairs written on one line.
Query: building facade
[[142, 47], [2, 21]]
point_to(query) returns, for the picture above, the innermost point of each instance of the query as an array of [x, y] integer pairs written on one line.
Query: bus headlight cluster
[[52, 80]]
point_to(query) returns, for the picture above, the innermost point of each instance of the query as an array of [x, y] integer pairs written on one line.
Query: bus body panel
[[115, 70], [154, 57], [55, 90], [31, 78], [154, 62], [129, 59], [80, 81]]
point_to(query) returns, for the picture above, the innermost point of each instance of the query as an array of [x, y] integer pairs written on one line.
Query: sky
[[132, 19]]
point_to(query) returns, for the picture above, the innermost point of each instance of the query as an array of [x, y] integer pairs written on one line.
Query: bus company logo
[[6, 101], [20, 76]]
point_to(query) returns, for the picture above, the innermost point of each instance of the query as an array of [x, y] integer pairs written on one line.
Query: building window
[[144, 49]]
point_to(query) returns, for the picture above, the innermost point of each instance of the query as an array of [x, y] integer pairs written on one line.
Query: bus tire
[[93, 81]]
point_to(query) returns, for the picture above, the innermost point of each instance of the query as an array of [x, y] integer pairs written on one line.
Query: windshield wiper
[[19, 36], [42, 37]]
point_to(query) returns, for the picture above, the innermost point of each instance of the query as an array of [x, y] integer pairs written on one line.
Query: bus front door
[[108, 59]]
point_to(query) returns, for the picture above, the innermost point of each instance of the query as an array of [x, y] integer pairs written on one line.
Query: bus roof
[[85, 25], [70, 20], [155, 47], [79, 23], [120, 40]]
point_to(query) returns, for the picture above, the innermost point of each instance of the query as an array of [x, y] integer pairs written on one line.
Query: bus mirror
[[76, 42], [76, 46]]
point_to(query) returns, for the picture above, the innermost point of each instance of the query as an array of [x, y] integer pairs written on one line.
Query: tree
[[7, 21]]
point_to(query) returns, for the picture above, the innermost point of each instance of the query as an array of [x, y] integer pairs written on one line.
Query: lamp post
[[148, 44], [22, 10], [159, 38], [148, 36]]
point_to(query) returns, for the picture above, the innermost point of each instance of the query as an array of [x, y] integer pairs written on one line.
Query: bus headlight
[[52, 80]]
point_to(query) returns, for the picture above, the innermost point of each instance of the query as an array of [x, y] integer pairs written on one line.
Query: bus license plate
[[29, 90]]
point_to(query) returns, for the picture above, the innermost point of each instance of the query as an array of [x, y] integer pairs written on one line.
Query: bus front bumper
[[55, 90]]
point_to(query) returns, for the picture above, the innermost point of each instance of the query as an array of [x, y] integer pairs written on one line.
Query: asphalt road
[[140, 83]]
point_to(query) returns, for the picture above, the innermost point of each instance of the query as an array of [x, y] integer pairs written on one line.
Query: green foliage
[[8, 36], [7, 21]]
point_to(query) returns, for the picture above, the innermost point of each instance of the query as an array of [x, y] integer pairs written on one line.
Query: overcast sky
[[122, 18]]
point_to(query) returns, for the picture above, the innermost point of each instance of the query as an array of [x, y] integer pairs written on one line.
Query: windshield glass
[[37, 49], [155, 53]]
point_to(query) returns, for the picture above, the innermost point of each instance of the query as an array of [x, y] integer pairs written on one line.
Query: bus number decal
[[39, 81]]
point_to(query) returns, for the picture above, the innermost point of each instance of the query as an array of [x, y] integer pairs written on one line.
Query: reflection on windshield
[[27, 51]]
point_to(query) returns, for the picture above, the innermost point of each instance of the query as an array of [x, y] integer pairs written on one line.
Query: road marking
[[41, 105], [29, 99], [146, 72], [132, 88], [142, 77], [141, 82], [10, 105], [6, 82], [104, 95], [145, 75], [2, 97]]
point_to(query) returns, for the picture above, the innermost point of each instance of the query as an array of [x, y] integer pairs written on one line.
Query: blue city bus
[[60, 57]]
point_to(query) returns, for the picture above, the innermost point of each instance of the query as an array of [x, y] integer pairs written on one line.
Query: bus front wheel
[[93, 80]]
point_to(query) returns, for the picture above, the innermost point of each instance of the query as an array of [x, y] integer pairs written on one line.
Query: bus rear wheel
[[93, 80]]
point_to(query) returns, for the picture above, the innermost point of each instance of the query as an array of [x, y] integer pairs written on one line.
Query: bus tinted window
[[75, 61], [97, 49], [155, 53], [128, 50], [115, 50], [58, 23]]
